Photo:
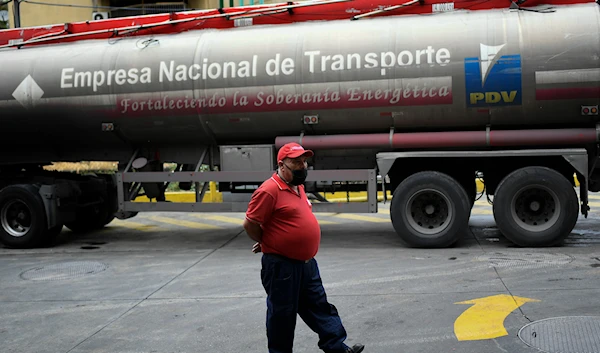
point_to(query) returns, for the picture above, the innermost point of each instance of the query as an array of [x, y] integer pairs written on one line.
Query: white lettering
[[287, 66], [133, 76], [383, 60], [259, 99], [166, 71], [354, 96], [396, 95], [146, 75], [99, 78], [405, 54], [419, 54], [194, 75], [311, 60], [64, 77], [338, 62], [324, 61], [231, 67], [244, 69], [371, 58], [430, 52], [442, 57], [83, 79], [181, 74], [111, 73], [335, 96], [387, 59], [214, 71], [96, 79], [125, 103], [356, 58], [272, 67], [121, 77]]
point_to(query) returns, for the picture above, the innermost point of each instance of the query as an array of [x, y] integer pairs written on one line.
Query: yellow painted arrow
[[485, 319]]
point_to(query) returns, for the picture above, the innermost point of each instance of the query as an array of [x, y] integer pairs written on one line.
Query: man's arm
[[259, 211], [253, 229]]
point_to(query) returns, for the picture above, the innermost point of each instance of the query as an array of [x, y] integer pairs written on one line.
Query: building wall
[[40, 15], [213, 4]]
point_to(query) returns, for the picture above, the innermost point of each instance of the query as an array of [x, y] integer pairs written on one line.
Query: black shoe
[[357, 348]]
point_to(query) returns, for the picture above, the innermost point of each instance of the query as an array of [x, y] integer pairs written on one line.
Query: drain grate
[[63, 270], [525, 259], [573, 334]]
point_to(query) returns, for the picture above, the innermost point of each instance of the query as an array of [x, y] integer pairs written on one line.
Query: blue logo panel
[[502, 85]]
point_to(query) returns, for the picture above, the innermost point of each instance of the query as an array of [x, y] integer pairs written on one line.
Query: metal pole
[[17, 13]]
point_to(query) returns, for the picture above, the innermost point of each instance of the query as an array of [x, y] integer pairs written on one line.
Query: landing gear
[[535, 206], [430, 209]]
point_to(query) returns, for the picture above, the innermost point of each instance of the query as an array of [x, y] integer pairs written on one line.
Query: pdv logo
[[492, 79]]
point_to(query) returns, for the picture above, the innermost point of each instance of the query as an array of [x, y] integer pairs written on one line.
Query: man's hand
[[256, 248]]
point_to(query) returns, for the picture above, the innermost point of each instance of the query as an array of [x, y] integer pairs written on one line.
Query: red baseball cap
[[293, 150]]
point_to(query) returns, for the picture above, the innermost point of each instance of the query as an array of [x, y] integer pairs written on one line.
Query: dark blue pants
[[295, 288]]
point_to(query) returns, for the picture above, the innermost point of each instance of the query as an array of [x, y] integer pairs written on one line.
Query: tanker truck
[[414, 104]]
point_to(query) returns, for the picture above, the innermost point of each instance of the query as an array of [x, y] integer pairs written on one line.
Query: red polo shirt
[[289, 226]]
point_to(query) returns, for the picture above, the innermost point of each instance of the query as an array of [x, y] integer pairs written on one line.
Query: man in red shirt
[[280, 219]]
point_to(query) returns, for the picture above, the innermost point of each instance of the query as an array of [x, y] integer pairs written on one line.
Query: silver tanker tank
[[460, 70]]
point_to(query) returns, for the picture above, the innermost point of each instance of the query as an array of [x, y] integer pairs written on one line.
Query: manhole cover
[[575, 334], [64, 270], [524, 259]]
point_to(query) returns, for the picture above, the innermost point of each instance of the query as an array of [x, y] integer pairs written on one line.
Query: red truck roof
[[270, 14]]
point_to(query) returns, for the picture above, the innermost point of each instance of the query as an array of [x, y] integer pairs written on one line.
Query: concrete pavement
[[189, 283]]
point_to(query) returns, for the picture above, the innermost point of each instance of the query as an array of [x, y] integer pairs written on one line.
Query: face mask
[[299, 176]]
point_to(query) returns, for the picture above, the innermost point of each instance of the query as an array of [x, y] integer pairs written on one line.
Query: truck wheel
[[535, 206], [430, 209], [470, 187], [22, 216]]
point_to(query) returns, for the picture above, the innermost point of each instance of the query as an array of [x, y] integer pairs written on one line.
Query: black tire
[[22, 216], [446, 200], [470, 186], [535, 207], [471, 189], [110, 218]]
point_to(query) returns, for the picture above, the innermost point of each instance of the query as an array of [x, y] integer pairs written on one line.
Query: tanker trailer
[[427, 101]]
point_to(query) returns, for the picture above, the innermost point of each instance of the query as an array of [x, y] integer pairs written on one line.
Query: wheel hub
[[429, 211], [15, 218], [535, 208]]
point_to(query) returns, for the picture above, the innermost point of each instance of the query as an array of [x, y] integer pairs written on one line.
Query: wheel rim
[[535, 208], [16, 218], [429, 211]]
